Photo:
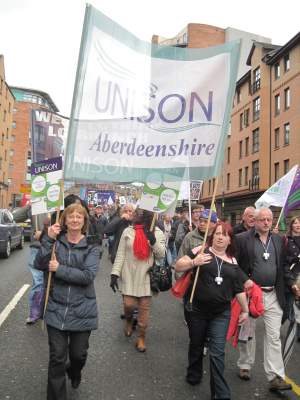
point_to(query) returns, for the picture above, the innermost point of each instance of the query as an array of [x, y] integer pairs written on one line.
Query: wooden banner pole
[[190, 306]]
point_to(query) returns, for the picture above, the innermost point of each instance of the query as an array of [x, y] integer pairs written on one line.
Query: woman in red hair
[[137, 248]]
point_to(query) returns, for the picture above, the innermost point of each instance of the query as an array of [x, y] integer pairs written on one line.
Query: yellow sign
[[25, 188]]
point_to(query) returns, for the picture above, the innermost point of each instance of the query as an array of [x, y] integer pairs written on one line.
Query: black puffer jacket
[[293, 257], [72, 302]]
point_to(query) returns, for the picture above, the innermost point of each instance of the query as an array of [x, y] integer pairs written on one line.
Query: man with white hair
[[247, 223], [261, 257]]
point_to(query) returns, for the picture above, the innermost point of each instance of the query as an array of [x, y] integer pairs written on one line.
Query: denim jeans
[[37, 288], [216, 329], [60, 343]]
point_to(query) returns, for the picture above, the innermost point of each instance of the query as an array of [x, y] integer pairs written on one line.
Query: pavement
[[115, 370]]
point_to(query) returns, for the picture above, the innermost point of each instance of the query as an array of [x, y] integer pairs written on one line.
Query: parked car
[[27, 229], [22, 216], [11, 234]]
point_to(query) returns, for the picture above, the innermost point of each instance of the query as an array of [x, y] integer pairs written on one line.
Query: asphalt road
[[115, 370]]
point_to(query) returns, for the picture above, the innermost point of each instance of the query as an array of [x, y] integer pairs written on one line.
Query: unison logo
[[110, 98]]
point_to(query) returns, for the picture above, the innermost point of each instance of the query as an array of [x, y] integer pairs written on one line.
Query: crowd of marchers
[[236, 275]]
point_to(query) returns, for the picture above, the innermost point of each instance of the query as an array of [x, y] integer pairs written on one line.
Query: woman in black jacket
[[71, 312], [293, 258]]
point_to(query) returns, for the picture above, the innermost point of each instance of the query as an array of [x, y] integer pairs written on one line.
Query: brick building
[[26, 100], [264, 141], [6, 116]]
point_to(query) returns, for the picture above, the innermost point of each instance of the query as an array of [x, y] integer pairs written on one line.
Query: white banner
[[139, 107], [278, 193]]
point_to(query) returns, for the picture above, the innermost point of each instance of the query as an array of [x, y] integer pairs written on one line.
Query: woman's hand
[[202, 259], [37, 235], [54, 230], [53, 265], [296, 290], [243, 317], [248, 284]]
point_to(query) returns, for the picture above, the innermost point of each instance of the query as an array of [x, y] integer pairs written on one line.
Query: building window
[[256, 108], [241, 121], [13, 138], [276, 138], [2, 139], [277, 70], [7, 133], [0, 163], [229, 129], [256, 80], [11, 167], [228, 182], [286, 134], [287, 98], [287, 65], [276, 171], [4, 115], [255, 140], [240, 177], [29, 155], [246, 176], [255, 168], [238, 95], [286, 166], [11, 152], [209, 186], [14, 124], [241, 149], [277, 104], [228, 155], [28, 176], [246, 117], [247, 146]]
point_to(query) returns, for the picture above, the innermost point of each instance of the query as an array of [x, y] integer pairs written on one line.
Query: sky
[[40, 39]]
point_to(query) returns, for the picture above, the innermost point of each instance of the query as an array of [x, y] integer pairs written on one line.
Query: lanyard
[[219, 279], [265, 246]]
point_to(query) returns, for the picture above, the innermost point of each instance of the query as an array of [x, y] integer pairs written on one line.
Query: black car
[[11, 234]]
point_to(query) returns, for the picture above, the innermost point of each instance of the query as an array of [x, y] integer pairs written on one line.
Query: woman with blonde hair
[[135, 256], [71, 312]]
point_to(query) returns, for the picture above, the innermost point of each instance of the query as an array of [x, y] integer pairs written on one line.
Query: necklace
[[266, 254], [218, 278]]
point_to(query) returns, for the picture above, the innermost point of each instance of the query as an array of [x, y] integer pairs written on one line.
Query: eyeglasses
[[196, 212]]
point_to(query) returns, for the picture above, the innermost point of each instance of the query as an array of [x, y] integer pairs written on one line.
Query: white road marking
[[12, 304]]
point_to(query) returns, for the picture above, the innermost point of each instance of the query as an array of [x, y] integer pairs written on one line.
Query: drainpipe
[[270, 124]]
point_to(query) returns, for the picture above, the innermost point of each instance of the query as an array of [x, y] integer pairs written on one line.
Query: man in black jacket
[[247, 223], [261, 257], [117, 225]]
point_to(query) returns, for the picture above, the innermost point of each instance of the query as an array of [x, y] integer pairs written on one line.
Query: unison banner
[[141, 108], [48, 134]]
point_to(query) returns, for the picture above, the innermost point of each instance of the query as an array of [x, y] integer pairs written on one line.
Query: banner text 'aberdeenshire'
[[180, 148]]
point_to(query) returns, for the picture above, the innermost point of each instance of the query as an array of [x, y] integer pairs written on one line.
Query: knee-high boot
[[128, 327], [140, 343]]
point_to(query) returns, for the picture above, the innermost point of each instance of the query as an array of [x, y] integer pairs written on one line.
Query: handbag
[[160, 277], [182, 284]]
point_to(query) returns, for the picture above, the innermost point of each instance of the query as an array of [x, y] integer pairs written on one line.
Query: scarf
[[141, 249]]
